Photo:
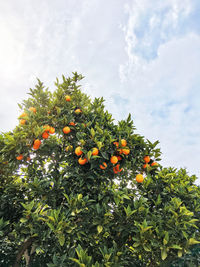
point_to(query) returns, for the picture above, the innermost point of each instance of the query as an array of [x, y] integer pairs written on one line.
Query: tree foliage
[[57, 212]]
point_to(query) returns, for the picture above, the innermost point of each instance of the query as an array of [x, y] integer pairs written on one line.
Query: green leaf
[[163, 253], [180, 253], [92, 131], [99, 229], [23, 220], [193, 241], [61, 239]]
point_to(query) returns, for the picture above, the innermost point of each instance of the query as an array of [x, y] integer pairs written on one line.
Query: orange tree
[[78, 189]]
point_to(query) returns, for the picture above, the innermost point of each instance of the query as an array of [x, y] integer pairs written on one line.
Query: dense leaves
[[60, 208]]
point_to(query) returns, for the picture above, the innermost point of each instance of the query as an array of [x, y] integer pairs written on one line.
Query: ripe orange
[[36, 144], [95, 151], [154, 164], [139, 178], [32, 109], [67, 98], [66, 130], [82, 161], [123, 142], [78, 151], [119, 158], [126, 151], [46, 128], [78, 111], [145, 165], [116, 144], [113, 159], [116, 169], [103, 166], [22, 122], [23, 115], [52, 130], [20, 157], [147, 159], [72, 123], [45, 135]]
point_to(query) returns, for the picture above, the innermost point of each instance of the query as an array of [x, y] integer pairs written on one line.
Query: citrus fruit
[[116, 144], [103, 166], [23, 115], [82, 161], [145, 165], [46, 128], [126, 151], [147, 159], [66, 130], [123, 142], [113, 159], [72, 123], [45, 135], [22, 122], [78, 111], [32, 109], [95, 151], [36, 144], [20, 157], [52, 130], [139, 178], [78, 151], [67, 98], [154, 164], [119, 158]]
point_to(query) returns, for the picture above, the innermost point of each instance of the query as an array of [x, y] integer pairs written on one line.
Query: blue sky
[[142, 56]]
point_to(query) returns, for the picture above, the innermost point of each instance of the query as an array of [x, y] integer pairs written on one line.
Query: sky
[[142, 56]]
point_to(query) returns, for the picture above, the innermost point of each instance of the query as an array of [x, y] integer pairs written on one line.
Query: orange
[[116, 169], [67, 98], [113, 159], [126, 151], [119, 158], [23, 115], [52, 130], [46, 128], [145, 166], [72, 123], [78, 111], [22, 122], [95, 151], [103, 166], [45, 135], [66, 130], [82, 161], [147, 159], [123, 142], [20, 157], [78, 151], [154, 164], [37, 144], [116, 144], [139, 178], [28, 159], [32, 109]]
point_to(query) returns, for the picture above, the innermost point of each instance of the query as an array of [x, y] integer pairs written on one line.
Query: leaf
[[92, 131], [80, 196], [180, 253], [61, 239], [193, 241], [99, 229], [163, 253], [176, 246], [23, 220]]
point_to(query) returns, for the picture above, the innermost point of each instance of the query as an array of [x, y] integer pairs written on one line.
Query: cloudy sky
[[142, 56]]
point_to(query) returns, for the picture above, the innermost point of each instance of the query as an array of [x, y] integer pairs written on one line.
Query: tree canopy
[[79, 189]]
